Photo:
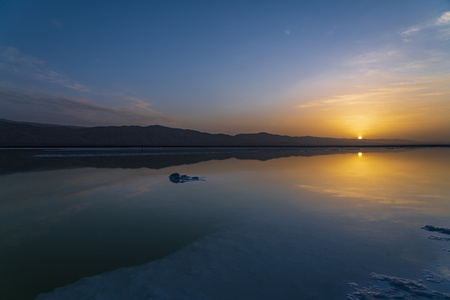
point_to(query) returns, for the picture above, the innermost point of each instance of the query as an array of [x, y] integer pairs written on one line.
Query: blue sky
[[377, 68]]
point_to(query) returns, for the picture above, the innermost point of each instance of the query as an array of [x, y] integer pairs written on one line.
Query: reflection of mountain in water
[[24, 160]]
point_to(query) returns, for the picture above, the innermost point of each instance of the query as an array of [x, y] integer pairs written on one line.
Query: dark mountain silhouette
[[22, 134]]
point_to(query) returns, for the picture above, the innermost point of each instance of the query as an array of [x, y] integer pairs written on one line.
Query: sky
[[370, 68]]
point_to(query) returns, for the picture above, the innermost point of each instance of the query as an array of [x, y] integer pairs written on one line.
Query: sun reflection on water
[[402, 178]]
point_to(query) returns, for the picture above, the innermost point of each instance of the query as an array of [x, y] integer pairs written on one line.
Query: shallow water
[[260, 223]]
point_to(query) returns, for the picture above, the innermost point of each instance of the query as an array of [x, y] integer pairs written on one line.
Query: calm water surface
[[271, 223]]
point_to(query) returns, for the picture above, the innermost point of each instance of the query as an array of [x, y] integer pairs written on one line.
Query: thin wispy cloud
[[411, 30], [10, 56], [60, 79], [436, 28], [444, 19], [74, 111], [372, 59], [390, 94], [139, 103], [398, 62], [12, 60]]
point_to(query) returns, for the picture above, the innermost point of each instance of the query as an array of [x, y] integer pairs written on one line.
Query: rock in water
[[175, 177]]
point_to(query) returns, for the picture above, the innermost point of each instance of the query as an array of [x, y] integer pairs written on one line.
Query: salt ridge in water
[[252, 258]]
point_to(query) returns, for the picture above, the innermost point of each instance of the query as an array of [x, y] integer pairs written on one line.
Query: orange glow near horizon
[[405, 108], [408, 110]]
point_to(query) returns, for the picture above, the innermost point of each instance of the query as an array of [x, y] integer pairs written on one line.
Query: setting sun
[[359, 137]]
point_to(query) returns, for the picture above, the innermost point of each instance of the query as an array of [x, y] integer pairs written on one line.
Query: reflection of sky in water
[[324, 220], [407, 180]]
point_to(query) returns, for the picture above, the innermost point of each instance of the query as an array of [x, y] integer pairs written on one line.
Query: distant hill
[[22, 134]]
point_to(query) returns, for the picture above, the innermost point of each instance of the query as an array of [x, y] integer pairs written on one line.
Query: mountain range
[[23, 134]]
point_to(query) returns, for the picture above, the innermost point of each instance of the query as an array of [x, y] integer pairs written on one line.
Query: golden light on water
[[354, 177]]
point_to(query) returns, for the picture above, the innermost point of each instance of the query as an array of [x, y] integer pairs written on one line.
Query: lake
[[244, 223]]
